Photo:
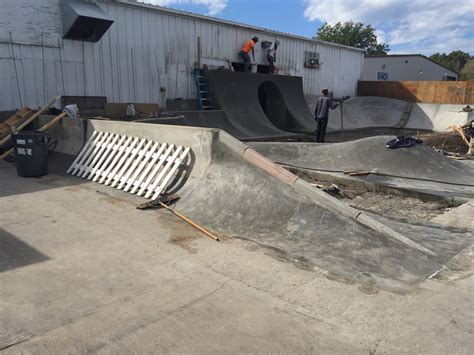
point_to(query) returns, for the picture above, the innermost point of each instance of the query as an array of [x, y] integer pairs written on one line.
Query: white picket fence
[[136, 165]]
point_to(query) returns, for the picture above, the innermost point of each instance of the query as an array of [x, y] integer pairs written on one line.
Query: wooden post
[[342, 122]]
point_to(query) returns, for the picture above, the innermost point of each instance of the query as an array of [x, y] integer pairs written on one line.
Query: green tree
[[467, 72], [353, 34], [454, 60]]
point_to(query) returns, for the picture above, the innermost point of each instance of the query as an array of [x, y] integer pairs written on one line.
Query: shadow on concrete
[[15, 253], [12, 184], [273, 105]]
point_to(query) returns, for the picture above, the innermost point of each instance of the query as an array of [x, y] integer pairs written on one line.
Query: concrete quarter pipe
[[252, 107], [265, 102]]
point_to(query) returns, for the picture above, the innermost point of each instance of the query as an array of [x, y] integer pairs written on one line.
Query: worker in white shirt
[[271, 55]]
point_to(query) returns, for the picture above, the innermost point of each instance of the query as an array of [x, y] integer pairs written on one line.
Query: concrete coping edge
[[302, 187]]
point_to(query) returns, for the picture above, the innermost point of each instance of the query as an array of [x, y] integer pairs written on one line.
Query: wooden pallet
[[27, 121], [136, 165], [14, 120], [43, 128]]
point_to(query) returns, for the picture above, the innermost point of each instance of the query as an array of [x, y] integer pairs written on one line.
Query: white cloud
[[213, 6], [412, 25], [381, 36]]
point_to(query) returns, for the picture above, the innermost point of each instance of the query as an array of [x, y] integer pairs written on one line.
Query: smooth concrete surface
[[419, 167], [233, 193], [242, 110], [371, 112], [272, 214], [219, 119], [462, 216], [252, 106], [72, 133], [113, 279], [437, 117], [261, 101]]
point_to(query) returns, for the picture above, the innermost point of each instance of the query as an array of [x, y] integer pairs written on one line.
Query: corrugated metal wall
[[144, 50]]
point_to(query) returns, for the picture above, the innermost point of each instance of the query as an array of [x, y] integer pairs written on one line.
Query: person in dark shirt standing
[[321, 114]]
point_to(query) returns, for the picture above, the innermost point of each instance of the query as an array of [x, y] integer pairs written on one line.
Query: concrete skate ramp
[[259, 103], [219, 119], [369, 112], [235, 191], [252, 107], [419, 168]]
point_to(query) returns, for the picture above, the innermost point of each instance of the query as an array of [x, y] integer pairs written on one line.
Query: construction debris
[[29, 120], [156, 203], [43, 128], [163, 202], [460, 131], [9, 125]]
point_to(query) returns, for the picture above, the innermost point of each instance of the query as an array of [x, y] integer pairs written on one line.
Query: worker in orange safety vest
[[244, 53]]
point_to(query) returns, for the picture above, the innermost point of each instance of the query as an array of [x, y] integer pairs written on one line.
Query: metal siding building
[[148, 47], [400, 67]]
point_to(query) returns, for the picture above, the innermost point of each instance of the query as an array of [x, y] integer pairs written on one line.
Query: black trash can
[[31, 153]]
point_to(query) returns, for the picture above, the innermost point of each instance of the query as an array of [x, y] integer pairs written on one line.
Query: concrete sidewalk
[[115, 279]]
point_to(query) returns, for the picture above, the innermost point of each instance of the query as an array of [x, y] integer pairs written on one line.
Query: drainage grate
[[136, 165]]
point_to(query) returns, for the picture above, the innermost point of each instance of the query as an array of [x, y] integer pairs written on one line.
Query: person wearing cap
[[321, 114], [244, 53], [271, 56]]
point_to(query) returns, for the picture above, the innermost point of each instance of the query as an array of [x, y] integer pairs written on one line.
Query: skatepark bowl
[[261, 108], [85, 271], [229, 188]]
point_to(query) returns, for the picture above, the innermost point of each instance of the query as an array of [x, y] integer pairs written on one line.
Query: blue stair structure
[[202, 90]]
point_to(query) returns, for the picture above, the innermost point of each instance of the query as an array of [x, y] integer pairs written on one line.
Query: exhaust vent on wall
[[84, 21], [311, 60]]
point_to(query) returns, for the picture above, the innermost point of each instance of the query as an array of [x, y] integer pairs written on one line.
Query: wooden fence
[[442, 92]]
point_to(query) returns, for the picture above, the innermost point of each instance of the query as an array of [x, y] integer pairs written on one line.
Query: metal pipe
[[16, 71]]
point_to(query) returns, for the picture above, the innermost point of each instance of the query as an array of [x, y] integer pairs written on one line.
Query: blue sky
[[408, 26]]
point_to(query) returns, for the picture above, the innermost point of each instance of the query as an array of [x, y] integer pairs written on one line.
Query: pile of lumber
[[19, 121]]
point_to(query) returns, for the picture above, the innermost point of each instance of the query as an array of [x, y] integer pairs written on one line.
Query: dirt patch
[[111, 199], [445, 142], [73, 188], [411, 208], [181, 234], [184, 241], [386, 204]]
